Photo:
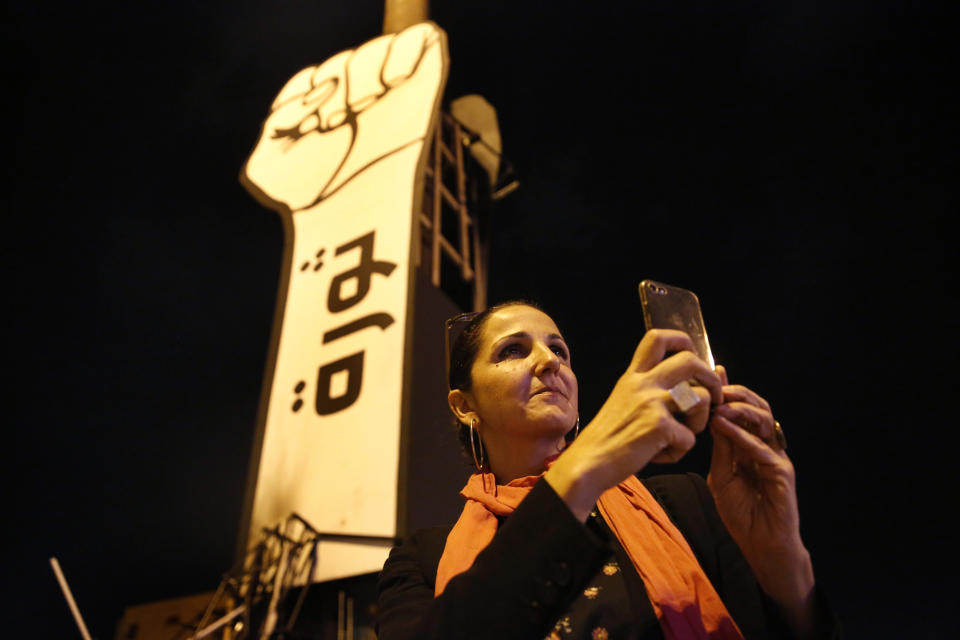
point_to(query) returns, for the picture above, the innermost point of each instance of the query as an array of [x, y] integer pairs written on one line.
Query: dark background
[[788, 161]]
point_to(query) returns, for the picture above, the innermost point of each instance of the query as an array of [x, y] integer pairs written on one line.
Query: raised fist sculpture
[[332, 121]]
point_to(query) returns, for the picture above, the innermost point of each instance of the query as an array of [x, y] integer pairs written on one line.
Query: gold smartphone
[[669, 307]]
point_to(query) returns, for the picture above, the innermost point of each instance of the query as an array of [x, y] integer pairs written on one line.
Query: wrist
[[571, 482], [787, 578], [785, 574]]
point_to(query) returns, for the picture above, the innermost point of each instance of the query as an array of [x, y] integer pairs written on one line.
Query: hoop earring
[[567, 438], [473, 447]]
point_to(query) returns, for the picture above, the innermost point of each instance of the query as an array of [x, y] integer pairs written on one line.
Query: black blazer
[[539, 561]]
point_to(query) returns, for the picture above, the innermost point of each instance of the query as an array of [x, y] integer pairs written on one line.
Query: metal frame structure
[[445, 186]]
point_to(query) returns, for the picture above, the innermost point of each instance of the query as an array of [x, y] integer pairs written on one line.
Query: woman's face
[[522, 383]]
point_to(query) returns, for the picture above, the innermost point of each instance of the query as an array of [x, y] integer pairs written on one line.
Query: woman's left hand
[[754, 487]]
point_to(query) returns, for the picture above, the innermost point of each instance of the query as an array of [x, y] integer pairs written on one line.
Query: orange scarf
[[685, 602]]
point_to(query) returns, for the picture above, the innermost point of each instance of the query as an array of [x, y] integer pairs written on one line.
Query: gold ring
[[778, 433]]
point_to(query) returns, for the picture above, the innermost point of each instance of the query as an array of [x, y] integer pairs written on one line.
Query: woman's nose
[[546, 360]]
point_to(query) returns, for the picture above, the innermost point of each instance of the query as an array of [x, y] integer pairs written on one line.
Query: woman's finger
[[655, 345], [722, 372], [737, 392], [722, 460], [695, 417], [684, 366], [757, 421], [679, 440], [745, 442]]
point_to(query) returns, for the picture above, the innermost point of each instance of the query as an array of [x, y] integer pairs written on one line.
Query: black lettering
[[382, 320], [353, 365], [363, 272]]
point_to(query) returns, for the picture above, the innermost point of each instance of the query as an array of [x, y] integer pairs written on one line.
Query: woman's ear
[[461, 404]]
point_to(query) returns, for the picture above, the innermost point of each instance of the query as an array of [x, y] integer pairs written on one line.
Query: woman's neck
[[520, 459]]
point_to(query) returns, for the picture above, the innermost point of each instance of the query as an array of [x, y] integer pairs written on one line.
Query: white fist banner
[[341, 158]]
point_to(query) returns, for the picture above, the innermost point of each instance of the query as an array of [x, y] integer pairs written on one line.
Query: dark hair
[[463, 353]]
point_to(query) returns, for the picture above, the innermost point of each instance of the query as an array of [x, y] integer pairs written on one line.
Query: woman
[[573, 545]]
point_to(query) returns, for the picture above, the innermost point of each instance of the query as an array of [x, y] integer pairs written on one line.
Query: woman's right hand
[[639, 423]]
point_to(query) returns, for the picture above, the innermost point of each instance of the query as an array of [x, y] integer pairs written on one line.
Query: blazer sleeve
[[517, 587], [689, 503]]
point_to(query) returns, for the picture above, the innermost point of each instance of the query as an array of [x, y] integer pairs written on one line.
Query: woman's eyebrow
[[518, 334], [526, 336]]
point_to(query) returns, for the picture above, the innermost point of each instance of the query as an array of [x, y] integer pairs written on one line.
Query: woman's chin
[[554, 424]]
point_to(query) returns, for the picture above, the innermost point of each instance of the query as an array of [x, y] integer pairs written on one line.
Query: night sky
[[793, 163]]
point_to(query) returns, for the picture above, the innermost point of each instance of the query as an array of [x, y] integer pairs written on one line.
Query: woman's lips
[[548, 390]]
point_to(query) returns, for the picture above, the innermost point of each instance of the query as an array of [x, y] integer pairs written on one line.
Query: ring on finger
[[780, 437], [684, 396]]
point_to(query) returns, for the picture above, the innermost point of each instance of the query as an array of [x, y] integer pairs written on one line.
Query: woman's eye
[[511, 350], [560, 351]]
